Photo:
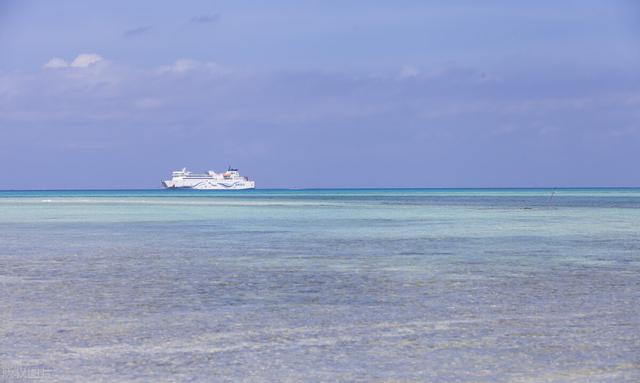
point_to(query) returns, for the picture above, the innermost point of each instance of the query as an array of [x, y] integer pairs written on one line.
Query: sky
[[320, 94]]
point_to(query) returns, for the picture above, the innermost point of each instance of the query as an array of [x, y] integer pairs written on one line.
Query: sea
[[349, 285]]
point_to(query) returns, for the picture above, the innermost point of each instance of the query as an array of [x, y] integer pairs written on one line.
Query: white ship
[[229, 180]]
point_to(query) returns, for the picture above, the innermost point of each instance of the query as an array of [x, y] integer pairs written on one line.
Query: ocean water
[[468, 285]]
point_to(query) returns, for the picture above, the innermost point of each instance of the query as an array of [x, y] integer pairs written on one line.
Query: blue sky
[[321, 93]]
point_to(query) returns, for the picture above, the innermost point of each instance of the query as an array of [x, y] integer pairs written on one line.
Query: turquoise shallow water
[[451, 285]]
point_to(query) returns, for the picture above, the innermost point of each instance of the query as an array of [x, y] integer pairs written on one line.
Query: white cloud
[[180, 66], [56, 63], [84, 60], [408, 71], [187, 65]]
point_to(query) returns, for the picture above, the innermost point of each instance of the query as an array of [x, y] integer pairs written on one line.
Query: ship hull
[[209, 185]]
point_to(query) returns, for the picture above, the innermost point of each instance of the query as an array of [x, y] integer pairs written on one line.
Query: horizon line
[[338, 188]]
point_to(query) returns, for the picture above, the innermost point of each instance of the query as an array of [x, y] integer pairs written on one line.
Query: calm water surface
[[321, 285]]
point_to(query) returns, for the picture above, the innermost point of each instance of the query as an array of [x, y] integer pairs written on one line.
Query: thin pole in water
[[553, 192]]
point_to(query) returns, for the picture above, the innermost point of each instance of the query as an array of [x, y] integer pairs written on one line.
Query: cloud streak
[[205, 19], [135, 32], [183, 66]]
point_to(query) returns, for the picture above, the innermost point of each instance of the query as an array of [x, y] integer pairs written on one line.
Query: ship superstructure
[[229, 180]]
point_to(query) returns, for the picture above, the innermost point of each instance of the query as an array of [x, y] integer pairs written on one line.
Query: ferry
[[229, 180]]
